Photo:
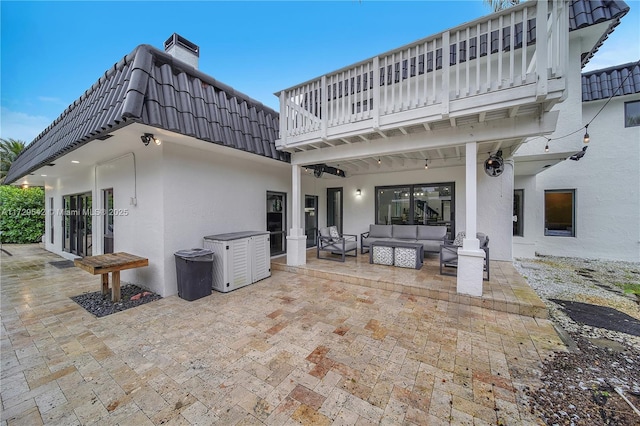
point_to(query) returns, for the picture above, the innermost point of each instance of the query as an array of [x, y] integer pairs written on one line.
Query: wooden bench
[[114, 263]]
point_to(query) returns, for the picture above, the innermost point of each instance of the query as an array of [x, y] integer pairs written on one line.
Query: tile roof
[[584, 13], [150, 87], [614, 81]]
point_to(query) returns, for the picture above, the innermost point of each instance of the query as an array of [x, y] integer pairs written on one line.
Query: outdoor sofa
[[430, 236]]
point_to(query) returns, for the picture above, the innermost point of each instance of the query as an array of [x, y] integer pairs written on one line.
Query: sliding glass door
[[418, 204]]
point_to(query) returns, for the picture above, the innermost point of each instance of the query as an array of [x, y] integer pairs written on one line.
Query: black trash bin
[[195, 273]]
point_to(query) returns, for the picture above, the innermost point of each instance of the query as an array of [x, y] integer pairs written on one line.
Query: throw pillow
[[459, 237], [333, 231]]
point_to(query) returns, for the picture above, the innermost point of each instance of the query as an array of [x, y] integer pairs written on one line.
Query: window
[[108, 229], [51, 218], [632, 114], [419, 204], [518, 212], [334, 208], [559, 213]]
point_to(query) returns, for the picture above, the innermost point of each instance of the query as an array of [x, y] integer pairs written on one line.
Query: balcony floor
[[507, 291]]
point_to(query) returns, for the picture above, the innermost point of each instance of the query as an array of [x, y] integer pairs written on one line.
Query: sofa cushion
[[324, 232], [431, 246], [337, 246], [404, 232], [483, 238], [431, 232], [380, 231]]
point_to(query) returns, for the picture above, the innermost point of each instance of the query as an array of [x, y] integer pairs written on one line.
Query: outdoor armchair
[[330, 240], [449, 254]]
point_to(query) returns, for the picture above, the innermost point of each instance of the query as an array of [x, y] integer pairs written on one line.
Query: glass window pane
[[632, 114], [393, 205], [420, 204], [559, 213], [518, 212]]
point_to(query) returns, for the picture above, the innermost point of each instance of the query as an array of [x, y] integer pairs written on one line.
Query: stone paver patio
[[291, 349]]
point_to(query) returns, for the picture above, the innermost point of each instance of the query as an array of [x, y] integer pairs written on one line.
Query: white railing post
[[283, 118], [375, 93], [445, 74], [324, 106], [542, 47], [564, 38]]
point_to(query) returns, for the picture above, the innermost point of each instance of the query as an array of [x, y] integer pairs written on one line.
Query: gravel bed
[[580, 387], [101, 305]]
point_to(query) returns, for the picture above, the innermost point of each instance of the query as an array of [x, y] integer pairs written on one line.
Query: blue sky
[[52, 52]]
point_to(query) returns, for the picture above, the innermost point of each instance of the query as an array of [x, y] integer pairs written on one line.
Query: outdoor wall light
[[148, 137], [358, 193]]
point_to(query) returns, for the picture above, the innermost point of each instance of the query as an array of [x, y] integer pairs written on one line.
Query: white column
[[296, 240], [471, 213], [470, 257]]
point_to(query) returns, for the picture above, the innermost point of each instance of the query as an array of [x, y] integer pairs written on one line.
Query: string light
[[586, 133], [379, 161], [426, 164], [586, 137]]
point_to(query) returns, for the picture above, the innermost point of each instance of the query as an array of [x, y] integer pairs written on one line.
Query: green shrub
[[21, 214]]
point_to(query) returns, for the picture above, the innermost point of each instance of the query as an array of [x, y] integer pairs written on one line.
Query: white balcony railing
[[423, 81]]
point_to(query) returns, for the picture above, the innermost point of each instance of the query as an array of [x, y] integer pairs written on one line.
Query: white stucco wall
[[186, 189], [525, 246], [606, 181], [495, 196], [208, 189], [570, 113], [137, 228]]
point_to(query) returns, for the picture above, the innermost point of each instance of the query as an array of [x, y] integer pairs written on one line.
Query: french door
[[77, 224], [277, 221]]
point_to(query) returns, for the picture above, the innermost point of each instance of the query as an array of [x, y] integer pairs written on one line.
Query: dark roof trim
[[151, 87], [585, 13], [620, 80]]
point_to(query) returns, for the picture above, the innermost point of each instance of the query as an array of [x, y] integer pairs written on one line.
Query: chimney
[[182, 49]]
